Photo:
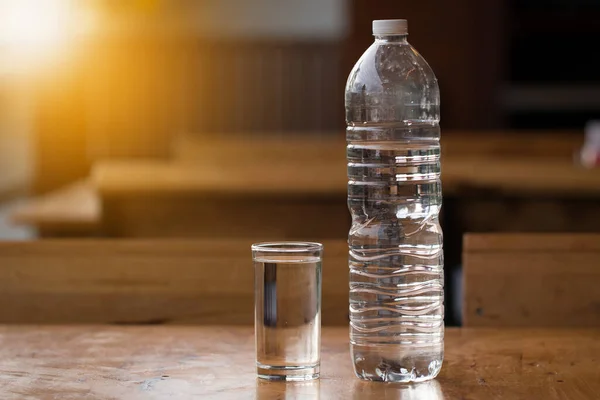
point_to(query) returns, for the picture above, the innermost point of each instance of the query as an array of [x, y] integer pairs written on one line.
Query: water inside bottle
[[396, 256]]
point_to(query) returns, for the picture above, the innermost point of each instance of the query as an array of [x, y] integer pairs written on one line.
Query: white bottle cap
[[390, 27]]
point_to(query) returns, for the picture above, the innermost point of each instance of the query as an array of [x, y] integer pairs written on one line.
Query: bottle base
[[393, 363]]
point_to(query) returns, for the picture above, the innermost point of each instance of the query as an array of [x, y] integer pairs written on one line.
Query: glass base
[[287, 373]]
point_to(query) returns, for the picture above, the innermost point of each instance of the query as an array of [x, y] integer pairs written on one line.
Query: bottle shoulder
[[385, 67]]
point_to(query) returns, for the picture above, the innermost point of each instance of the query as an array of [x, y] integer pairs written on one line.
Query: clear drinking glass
[[287, 287]]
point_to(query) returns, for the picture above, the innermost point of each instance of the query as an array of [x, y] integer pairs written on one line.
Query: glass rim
[[287, 247]]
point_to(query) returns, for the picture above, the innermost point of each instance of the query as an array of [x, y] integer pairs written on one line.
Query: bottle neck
[[391, 39]]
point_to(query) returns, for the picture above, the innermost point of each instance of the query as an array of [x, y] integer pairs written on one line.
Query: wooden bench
[[71, 211], [146, 282], [531, 280]]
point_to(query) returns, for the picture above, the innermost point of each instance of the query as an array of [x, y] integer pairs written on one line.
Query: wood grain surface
[[531, 280], [95, 362], [146, 281]]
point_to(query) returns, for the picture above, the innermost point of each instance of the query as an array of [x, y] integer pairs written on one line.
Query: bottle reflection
[[308, 390], [430, 390]]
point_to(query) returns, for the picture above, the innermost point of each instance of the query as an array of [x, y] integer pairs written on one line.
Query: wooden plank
[[462, 177], [171, 281], [517, 163], [512, 144], [490, 211], [252, 217], [217, 362], [555, 242], [283, 178], [71, 210], [195, 148], [520, 176], [531, 280]]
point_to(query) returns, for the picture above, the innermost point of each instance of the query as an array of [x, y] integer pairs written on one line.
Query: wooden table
[[522, 162], [461, 176], [268, 180], [184, 362]]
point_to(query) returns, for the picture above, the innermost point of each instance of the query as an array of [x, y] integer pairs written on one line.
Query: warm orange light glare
[[33, 28]]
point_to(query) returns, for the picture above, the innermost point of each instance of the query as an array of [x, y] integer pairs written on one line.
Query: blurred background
[[225, 118]]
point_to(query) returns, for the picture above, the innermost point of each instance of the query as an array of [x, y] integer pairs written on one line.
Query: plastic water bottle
[[394, 196]]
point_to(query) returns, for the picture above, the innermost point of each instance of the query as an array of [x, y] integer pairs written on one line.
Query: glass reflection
[[430, 390], [307, 390]]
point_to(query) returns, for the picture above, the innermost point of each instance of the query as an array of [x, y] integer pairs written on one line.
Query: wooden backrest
[[141, 282], [531, 280]]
